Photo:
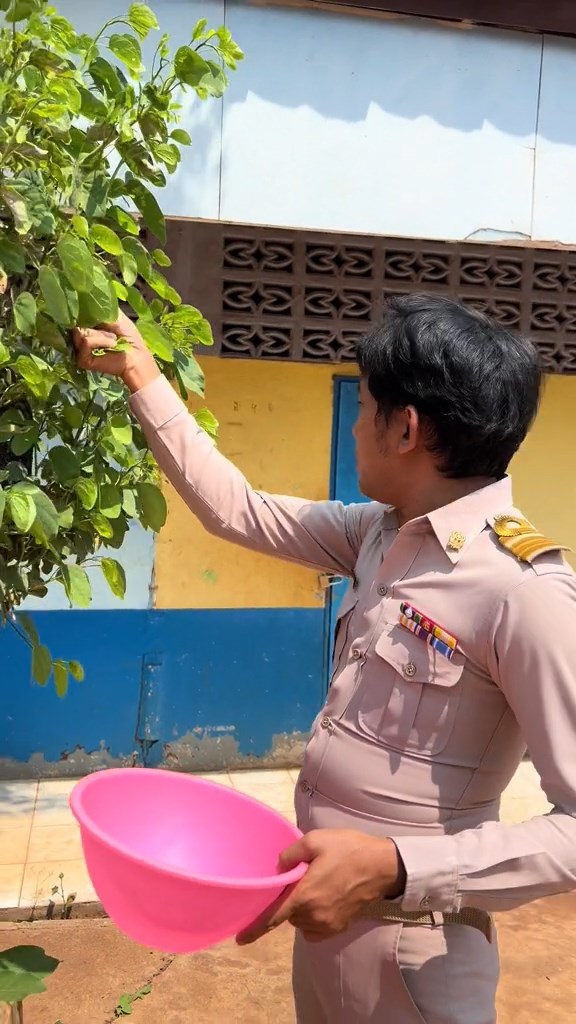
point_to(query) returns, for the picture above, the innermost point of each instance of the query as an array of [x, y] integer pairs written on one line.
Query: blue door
[[343, 484]]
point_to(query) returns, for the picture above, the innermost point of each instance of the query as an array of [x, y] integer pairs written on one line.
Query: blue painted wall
[[188, 689]]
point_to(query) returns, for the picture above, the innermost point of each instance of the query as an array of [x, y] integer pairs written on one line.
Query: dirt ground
[[252, 986]]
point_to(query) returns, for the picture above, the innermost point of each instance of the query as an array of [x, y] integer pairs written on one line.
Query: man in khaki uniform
[[455, 648]]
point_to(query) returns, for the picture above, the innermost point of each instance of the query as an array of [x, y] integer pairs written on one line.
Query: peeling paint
[[496, 235], [202, 751], [72, 764]]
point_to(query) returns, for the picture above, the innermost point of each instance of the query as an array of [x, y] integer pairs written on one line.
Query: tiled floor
[[39, 839]]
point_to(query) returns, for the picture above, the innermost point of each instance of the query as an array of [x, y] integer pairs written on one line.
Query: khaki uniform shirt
[[412, 744]]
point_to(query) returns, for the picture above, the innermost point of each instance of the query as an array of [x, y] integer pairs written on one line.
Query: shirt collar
[[456, 525]]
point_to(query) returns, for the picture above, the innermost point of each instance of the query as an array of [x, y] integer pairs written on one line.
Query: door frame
[[337, 381]]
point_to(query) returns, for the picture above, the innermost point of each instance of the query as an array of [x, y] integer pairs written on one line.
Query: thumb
[[294, 855], [122, 328]]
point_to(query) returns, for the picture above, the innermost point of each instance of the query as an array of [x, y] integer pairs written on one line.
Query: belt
[[383, 910]]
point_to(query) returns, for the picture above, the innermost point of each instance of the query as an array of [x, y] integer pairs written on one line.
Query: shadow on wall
[[340, 66], [194, 190]]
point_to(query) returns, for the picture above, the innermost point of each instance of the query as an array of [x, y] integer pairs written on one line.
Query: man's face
[[371, 445], [380, 444]]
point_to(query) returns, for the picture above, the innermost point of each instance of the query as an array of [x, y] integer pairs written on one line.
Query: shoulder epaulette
[[522, 539]]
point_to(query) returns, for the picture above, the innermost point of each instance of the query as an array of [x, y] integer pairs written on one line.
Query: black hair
[[476, 385]]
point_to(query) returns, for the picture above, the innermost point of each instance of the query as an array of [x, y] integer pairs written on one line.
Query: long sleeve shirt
[[417, 741]]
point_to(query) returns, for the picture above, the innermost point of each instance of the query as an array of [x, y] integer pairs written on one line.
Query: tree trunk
[[11, 1014]]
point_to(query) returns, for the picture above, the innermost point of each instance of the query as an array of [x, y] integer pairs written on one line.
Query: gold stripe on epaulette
[[522, 539]]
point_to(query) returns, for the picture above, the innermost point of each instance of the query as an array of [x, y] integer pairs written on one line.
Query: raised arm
[[323, 534]]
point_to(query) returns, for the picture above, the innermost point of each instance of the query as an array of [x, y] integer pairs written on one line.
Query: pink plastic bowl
[[179, 863]]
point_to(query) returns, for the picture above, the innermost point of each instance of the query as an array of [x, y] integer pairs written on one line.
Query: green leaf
[[230, 51], [181, 137], [77, 585], [107, 78], [22, 509], [2, 505], [47, 521], [25, 314], [66, 518], [29, 628], [73, 415], [128, 268], [55, 297], [215, 82], [65, 90], [110, 501], [29, 206], [167, 154], [121, 429], [207, 421], [162, 287], [41, 672], [65, 463], [156, 340], [36, 373], [96, 196], [142, 19], [5, 356], [22, 443], [100, 306], [49, 334], [160, 257], [199, 29], [106, 239], [18, 208], [115, 576], [124, 1008], [12, 256], [87, 492], [127, 49], [189, 67], [189, 373], [148, 206], [138, 304], [76, 262], [140, 253], [186, 324], [129, 503], [125, 221], [20, 10], [60, 670], [139, 160], [153, 509], [76, 671], [102, 525], [80, 225]]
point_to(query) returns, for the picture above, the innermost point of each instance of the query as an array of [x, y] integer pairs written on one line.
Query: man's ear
[[412, 430]]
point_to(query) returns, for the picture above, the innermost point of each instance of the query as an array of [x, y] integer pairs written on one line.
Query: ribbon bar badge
[[428, 630]]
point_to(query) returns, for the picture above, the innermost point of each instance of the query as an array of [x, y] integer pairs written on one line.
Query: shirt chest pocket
[[409, 697]]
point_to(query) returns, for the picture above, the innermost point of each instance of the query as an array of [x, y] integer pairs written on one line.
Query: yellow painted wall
[[544, 471], [276, 425]]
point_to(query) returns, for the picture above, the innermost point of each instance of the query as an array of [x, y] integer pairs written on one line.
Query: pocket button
[[409, 670]]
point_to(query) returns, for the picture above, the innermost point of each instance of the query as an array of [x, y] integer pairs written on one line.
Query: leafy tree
[[86, 135]]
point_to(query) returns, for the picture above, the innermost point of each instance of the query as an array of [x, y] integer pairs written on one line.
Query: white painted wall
[[399, 127]]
